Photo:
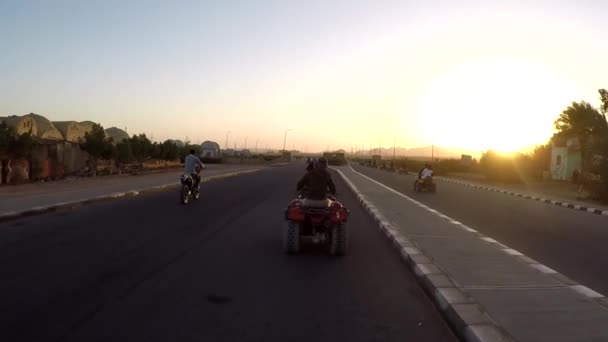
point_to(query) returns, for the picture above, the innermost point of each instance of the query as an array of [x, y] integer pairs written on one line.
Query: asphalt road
[[571, 242], [149, 269]]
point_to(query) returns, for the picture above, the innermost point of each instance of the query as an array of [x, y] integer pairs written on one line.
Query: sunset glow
[[460, 74]]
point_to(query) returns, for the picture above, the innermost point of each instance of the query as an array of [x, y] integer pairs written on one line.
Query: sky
[[339, 74]]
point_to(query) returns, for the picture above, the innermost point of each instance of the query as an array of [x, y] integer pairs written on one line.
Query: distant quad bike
[[320, 222], [425, 185]]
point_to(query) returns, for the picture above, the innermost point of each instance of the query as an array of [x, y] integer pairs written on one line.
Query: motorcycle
[[322, 222], [427, 184], [188, 189]]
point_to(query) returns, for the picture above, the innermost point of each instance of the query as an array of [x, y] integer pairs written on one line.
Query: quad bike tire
[[291, 238], [339, 240], [196, 194]]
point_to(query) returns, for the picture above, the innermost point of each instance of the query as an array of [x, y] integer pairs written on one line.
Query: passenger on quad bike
[[191, 164], [317, 182]]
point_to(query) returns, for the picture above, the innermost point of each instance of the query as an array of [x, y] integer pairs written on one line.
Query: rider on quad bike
[[315, 215], [425, 179], [427, 171], [317, 182]]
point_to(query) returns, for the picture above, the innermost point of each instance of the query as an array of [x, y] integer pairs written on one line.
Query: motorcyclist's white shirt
[[426, 173], [190, 164]]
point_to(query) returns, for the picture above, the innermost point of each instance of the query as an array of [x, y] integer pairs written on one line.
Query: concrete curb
[[13, 215], [466, 317]]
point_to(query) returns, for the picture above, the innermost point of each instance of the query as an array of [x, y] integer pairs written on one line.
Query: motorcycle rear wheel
[[184, 194]]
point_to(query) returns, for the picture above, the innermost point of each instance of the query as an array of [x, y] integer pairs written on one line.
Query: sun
[[499, 103]]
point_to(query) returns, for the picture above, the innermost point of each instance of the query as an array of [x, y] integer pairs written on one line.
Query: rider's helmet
[[192, 152], [322, 163], [427, 165]]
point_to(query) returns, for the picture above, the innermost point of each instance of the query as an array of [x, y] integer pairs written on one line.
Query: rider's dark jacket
[[316, 183]]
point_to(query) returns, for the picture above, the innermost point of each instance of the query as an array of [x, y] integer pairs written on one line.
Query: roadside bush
[[506, 169]]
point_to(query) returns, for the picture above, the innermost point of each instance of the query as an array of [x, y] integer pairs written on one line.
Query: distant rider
[[318, 182], [191, 164], [426, 172]]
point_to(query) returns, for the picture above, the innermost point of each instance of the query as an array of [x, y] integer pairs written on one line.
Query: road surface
[[149, 269], [571, 242]]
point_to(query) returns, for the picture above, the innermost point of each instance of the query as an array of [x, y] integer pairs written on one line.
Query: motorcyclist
[[317, 182], [192, 166]]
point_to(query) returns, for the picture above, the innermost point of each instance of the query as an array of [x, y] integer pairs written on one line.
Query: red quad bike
[[322, 222]]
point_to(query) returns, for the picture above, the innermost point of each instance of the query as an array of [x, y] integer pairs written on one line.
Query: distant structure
[[46, 129], [21, 124], [245, 153], [565, 160], [210, 149], [73, 131], [178, 143], [38, 125], [117, 134]]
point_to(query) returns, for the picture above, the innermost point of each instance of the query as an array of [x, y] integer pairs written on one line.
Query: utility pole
[[285, 139], [432, 153], [227, 134], [394, 150], [256, 145], [380, 148]]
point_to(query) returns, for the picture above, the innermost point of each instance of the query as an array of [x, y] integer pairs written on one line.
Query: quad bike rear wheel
[[339, 240], [291, 238]]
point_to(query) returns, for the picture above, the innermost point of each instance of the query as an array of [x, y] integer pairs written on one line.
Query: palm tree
[[581, 121]]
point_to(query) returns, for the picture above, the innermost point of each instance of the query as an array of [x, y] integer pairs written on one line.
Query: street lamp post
[[394, 150], [285, 139], [227, 134]]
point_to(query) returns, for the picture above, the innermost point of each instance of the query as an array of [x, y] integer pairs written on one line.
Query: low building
[[73, 131], [21, 124], [565, 160], [211, 150], [117, 134], [46, 130]]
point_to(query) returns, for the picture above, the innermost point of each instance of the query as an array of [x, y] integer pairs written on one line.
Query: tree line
[[138, 148], [581, 121]]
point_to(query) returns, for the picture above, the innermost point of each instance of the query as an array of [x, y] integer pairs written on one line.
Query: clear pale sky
[[468, 74]]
